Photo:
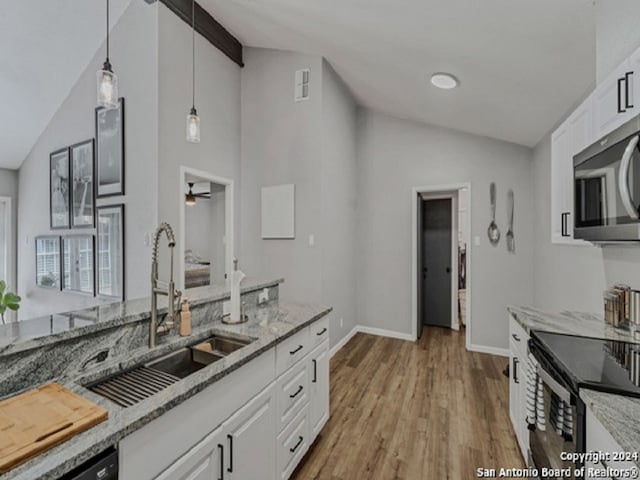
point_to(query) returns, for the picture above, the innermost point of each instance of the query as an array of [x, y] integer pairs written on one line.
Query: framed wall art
[[82, 185], [110, 252], [59, 189], [110, 159]]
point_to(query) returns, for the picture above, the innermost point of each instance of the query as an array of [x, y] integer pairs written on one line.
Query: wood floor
[[403, 410]]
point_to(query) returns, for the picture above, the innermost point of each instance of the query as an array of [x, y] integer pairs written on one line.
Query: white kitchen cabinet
[[598, 439], [250, 451], [319, 403], [573, 136], [205, 461], [612, 101], [292, 444], [518, 351]]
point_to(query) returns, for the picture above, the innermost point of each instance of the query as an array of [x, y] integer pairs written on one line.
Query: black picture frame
[[121, 261], [60, 189], [64, 283], [88, 170], [110, 151], [56, 284]]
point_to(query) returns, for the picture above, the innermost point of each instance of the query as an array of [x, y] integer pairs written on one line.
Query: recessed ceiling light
[[444, 80]]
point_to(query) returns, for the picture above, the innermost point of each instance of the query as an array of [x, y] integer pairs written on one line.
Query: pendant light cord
[[107, 30], [193, 53]]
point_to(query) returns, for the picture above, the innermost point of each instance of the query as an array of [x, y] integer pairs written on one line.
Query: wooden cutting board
[[37, 420]]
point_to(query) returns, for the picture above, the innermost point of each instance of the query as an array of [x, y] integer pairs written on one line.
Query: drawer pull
[[322, 332], [293, 352], [315, 371], [221, 450], [515, 337], [230, 468], [295, 447], [294, 395]]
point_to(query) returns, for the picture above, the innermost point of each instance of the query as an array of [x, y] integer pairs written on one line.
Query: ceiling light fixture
[[107, 80], [190, 198], [444, 80], [193, 120]]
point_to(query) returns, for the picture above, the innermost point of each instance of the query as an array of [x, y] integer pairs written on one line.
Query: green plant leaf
[[13, 306], [3, 286], [3, 308], [11, 298]]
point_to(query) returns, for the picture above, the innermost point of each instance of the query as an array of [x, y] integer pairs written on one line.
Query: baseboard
[[385, 333], [343, 341], [501, 352]]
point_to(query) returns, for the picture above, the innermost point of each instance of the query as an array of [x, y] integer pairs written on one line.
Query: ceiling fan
[[190, 197]]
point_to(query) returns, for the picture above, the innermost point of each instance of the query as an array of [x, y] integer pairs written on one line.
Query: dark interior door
[[420, 287], [436, 262]]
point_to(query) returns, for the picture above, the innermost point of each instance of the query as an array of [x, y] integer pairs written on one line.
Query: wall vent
[[301, 90]]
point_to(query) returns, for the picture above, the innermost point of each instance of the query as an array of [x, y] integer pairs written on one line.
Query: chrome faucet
[[173, 295]]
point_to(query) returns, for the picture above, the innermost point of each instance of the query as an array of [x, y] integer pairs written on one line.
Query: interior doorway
[[441, 257]]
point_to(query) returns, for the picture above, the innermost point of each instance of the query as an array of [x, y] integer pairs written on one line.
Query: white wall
[[338, 239], [9, 188], [134, 48], [218, 104], [617, 33], [395, 155], [281, 144]]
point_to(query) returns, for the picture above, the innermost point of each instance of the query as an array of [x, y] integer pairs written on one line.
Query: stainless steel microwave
[[606, 189]]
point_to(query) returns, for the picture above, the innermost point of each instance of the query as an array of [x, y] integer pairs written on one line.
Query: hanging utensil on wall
[[511, 241], [493, 231]]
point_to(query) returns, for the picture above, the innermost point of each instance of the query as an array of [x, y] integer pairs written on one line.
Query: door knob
[[448, 270]]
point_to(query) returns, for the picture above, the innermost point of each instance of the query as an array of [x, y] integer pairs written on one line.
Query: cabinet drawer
[[293, 442], [292, 350], [319, 331], [517, 334], [293, 393]]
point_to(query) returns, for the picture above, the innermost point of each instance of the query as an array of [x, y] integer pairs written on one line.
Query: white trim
[[381, 332], [343, 341], [8, 246], [502, 352], [415, 191], [228, 217]]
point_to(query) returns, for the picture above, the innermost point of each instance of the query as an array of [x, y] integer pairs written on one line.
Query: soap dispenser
[[185, 319]]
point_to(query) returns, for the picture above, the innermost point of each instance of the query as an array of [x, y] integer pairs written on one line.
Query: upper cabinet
[[610, 105], [569, 138], [613, 100]]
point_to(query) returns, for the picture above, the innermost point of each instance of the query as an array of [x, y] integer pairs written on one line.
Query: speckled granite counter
[[268, 326], [572, 323], [619, 416], [41, 331]]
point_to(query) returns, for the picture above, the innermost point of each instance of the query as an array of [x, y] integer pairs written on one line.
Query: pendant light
[[190, 198], [193, 120], [107, 80]]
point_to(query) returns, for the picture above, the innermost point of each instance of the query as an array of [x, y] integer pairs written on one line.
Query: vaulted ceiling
[[44, 47], [521, 63]]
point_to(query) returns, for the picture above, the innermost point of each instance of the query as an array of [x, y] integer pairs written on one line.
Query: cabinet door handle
[[627, 89], [565, 224], [230, 469], [294, 395], [221, 450], [620, 108], [515, 337], [315, 370], [515, 370], [295, 447], [321, 332], [293, 352]]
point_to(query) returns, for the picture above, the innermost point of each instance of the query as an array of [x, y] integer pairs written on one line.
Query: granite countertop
[[37, 332], [571, 323], [268, 326], [619, 416]]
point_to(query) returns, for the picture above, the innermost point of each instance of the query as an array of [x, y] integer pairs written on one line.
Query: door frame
[[433, 191], [228, 218]]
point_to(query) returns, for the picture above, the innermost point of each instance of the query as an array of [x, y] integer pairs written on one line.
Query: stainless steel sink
[[130, 387]]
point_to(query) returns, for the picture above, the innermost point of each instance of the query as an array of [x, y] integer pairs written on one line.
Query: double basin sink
[[141, 382]]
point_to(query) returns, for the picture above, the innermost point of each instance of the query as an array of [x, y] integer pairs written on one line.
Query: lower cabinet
[[598, 439], [264, 439], [205, 461], [518, 371]]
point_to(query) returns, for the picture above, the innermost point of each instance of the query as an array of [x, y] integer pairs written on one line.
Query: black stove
[[606, 365]]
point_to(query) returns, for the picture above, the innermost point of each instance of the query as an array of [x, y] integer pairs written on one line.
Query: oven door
[[607, 190], [547, 445]]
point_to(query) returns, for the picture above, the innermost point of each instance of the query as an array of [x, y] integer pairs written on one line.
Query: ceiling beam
[[208, 27]]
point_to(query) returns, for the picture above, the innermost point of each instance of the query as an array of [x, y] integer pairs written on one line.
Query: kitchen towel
[[535, 396], [560, 417]]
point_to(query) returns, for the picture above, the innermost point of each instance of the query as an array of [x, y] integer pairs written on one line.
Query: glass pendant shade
[[107, 87], [193, 127]]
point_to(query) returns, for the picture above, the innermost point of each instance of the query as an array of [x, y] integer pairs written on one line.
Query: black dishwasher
[[103, 466]]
